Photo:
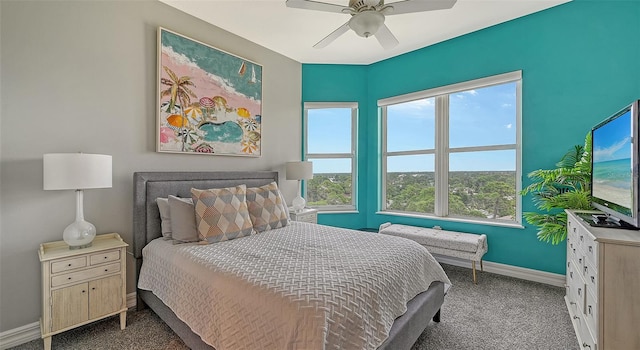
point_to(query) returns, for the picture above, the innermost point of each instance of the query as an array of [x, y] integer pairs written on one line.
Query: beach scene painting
[[612, 165], [209, 101]]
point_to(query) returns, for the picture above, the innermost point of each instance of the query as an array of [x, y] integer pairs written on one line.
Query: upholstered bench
[[450, 243]]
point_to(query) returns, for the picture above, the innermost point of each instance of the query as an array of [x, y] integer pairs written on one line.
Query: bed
[[148, 186]]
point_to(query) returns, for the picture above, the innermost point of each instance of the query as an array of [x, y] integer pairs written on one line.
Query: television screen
[[615, 163], [612, 172]]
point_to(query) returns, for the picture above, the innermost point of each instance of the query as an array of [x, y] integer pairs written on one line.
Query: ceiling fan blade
[[386, 38], [409, 6], [333, 36], [315, 5]]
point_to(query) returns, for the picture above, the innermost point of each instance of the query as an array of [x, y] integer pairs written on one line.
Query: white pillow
[[165, 216], [183, 219]]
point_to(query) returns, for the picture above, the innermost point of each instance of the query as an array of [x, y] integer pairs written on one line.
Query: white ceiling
[[292, 32]]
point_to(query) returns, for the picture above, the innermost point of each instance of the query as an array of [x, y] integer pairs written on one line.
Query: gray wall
[[81, 76]]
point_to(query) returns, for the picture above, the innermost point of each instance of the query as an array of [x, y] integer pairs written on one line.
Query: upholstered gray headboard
[[150, 185]]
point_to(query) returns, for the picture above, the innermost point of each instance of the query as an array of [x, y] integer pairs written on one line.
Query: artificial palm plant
[[568, 186]]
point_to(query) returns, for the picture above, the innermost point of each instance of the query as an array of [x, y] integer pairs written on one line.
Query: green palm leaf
[[565, 187]]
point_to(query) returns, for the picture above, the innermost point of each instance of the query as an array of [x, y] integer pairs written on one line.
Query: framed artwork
[[209, 101]]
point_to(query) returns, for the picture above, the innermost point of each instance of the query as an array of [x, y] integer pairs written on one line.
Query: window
[[454, 151], [330, 136]]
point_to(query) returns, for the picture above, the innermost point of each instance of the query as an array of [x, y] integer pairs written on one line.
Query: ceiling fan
[[367, 16]]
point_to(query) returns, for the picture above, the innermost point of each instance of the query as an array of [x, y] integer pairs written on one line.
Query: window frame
[[442, 150], [352, 155]]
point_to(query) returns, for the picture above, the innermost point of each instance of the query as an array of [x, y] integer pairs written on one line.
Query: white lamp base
[[298, 203], [79, 234]]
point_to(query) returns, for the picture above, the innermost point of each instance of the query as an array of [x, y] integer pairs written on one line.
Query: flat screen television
[[615, 188]]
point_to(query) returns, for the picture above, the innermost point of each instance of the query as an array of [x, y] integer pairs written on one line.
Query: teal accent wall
[[345, 83], [580, 63]]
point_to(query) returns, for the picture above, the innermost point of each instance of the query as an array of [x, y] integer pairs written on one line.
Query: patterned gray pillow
[[267, 207], [222, 213]]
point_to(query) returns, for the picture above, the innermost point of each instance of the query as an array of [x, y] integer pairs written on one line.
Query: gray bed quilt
[[303, 286]]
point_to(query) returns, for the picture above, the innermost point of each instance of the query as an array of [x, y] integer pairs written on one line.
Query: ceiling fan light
[[366, 23]]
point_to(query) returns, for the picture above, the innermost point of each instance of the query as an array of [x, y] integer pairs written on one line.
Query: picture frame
[[209, 100]]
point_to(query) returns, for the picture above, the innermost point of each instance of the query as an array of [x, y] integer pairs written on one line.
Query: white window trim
[[441, 148], [352, 155]]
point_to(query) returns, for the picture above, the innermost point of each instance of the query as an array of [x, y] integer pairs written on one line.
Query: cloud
[[417, 106], [603, 154], [508, 126]]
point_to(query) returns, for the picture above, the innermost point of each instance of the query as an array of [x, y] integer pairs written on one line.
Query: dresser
[[82, 285], [305, 215], [603, 285]]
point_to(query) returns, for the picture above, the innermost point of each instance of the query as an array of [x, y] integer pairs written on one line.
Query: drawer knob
[[106, 257], [69, 278], [585, 345], [576, 317], [574, 229], [589, 309], [572, 303], [571, 274], [593, 279], [94, 288], [579, 291], [84, 291], [585, 268], [590, 249], [106, 270], [69, 265]]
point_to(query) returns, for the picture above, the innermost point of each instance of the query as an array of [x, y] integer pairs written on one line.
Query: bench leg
[[436, 317], [473, 265]]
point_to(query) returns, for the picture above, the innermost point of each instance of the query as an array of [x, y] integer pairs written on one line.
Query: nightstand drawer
[[113, 255], [74, 277], [69, 264], [305, 215], [312, 218]]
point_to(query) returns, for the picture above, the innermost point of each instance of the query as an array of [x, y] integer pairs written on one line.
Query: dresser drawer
[[590, 249], [587, 340], [572, 230], [591, 279], [591, 313], [104, 257], [73, 277], [68, 264]]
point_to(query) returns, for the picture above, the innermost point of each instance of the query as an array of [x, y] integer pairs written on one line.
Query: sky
[[612, 141], [479, 117]]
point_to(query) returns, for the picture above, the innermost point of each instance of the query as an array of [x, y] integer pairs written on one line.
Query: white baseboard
[[27, 333], [20, 335], [553, 279]]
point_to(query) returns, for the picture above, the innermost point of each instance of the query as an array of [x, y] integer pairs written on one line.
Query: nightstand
[[83, 285], [305, 215]]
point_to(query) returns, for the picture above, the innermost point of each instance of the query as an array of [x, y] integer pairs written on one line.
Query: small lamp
[[299, 171], [77, 171]]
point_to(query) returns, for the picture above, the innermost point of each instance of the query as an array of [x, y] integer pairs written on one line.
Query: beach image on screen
[[612, 166]]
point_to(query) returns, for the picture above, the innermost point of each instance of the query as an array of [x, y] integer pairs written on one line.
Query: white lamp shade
[[76, 171], [299, 170]]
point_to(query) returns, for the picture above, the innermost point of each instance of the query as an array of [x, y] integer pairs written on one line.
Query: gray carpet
[[498, 313]]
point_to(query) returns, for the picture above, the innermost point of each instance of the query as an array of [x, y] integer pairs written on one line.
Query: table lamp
[[77, 171], [299, 171]]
